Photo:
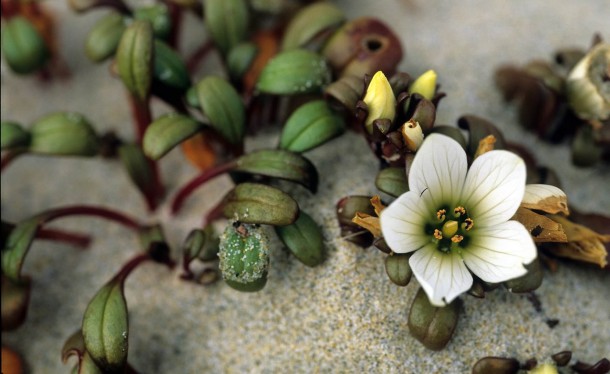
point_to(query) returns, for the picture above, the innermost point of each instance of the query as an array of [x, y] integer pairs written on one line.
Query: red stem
[[90, 210], [72, 238], [202, 178], [130, 266], [176, 15]]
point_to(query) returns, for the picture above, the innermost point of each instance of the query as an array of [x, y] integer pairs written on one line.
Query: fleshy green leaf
[[294, 72], [240, 58], [277, 163], [135, 58], [309, 126], [223, 107], [106, 327], [63, 134], [12, 135], [159, 18], [22, 46], [309, 22], [392, 181], [347, 90], [15, 301], [227, 21], [398, 269], [166, 132], [138, 168], [103, 39], [258, 203], [304, 239], [432, 326]]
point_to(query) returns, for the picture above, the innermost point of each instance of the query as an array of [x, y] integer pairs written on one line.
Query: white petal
[[443, 276], [497, 254], [403, 223], [547, 198], [438, 170], [494, 188]]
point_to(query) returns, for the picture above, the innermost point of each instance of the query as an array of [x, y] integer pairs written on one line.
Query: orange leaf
[[199, 151]]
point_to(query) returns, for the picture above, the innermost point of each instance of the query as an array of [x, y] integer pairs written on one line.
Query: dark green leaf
[[17, 246], [528, 282], [304, 239], [398, 269], [479, 128], [138, 168], [15, 301], [258, 203], [309, 126], [166, 132], [240, 58], [106, 327], [223, 107], [159, 18], [169, 68], [277, 163], [392, 181], [432, 326], [347, 91], [294, 72]]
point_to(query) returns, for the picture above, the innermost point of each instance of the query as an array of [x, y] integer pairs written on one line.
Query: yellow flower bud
[[425, 85], [544, 369], [412, 135], [380, 100]]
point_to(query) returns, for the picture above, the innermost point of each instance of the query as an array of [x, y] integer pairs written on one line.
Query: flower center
[[450, 231]]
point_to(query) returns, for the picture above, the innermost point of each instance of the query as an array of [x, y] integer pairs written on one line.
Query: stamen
[[441, 214], [459, 211], [437, 234], [457, 238], [468, 224]]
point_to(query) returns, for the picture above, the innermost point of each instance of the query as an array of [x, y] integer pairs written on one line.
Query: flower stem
[[95, 211], [199, 55], [202, 178], [72, 238], [130, 266]]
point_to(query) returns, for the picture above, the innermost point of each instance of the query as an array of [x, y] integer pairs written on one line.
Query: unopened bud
[[412, 135], [380, 100], [425, 85]]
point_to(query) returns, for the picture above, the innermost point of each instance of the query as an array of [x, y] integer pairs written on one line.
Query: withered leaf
[[542, 228]]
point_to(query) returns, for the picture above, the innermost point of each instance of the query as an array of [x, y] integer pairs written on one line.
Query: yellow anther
[[468, 224], [441, 214], [438, 234], [460, 210], [450, 228], [457, 238]]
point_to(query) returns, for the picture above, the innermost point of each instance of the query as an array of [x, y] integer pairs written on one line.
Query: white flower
[[456, 220]]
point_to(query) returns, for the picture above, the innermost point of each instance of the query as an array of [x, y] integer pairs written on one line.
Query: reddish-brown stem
[[202, 178], [197, 57], [95, 211], [130, 266], [214, 214], [10, 8], [9, 157], [176, 15], [72, 238]]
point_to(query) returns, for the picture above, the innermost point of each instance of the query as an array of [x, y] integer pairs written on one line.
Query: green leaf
[[432, 326], [106, 327], [311, 125], [12, 135], [277, 163], [392, 181], [294, 72], [227, 22], [258, 203], [134, 58], [193, 244], [104, 37], [398, 269], [166, 132], [528, 282], [159, 18], [310, 22], [22, 45], [63, 134], [17, 246], [169, 68], [478, 128], [304, 239], [74, 345], [224, 108], [347, 91]]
